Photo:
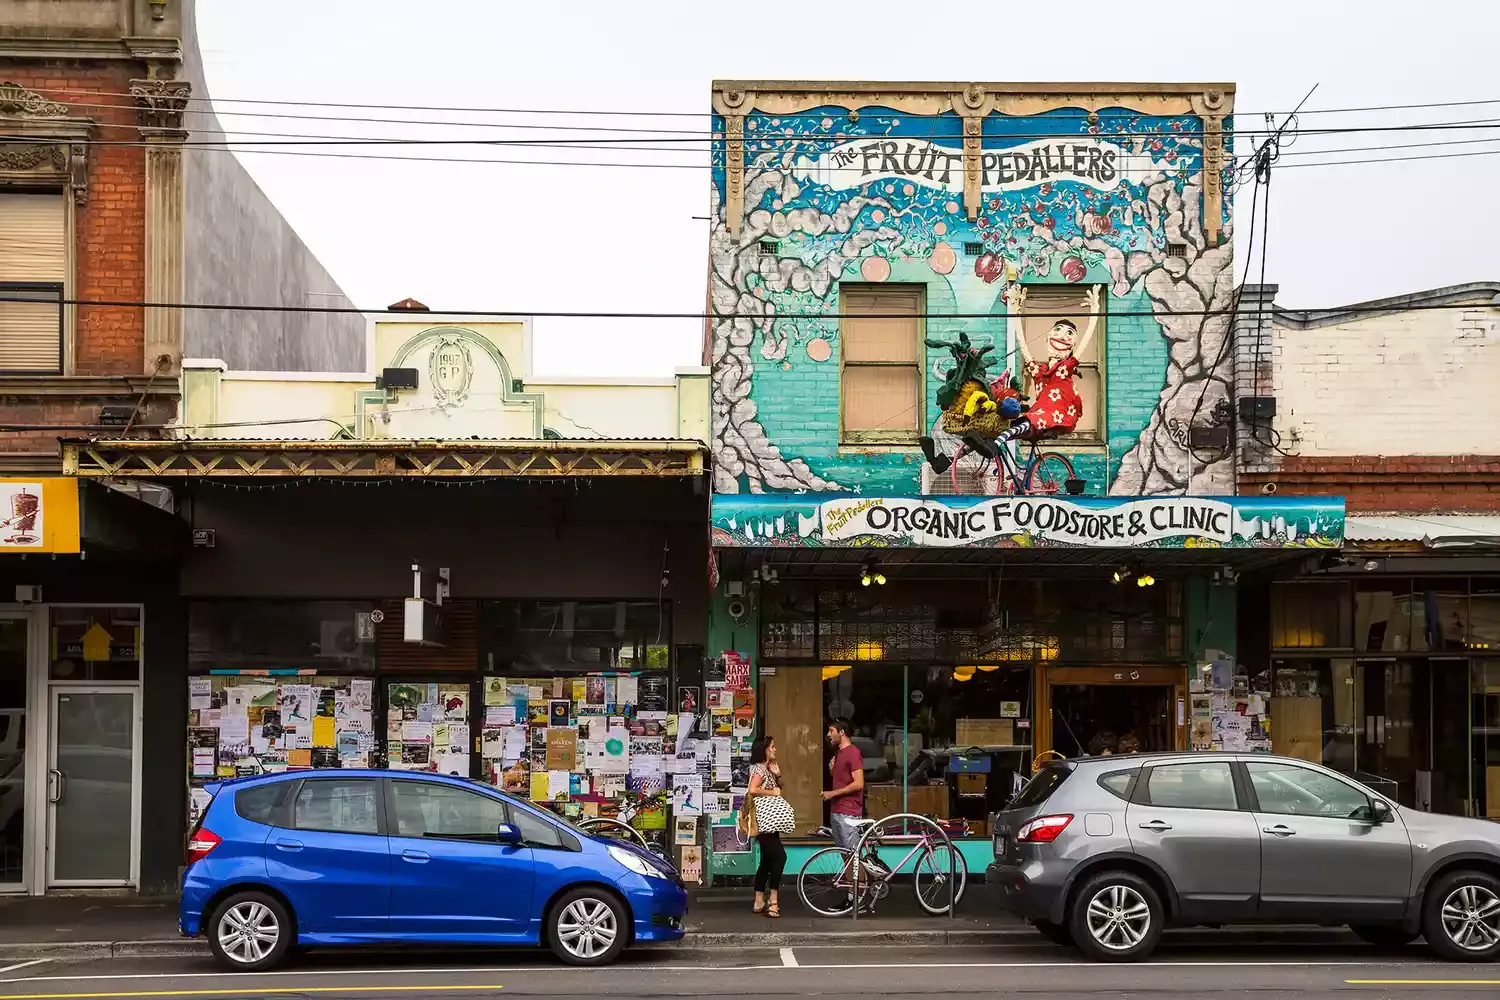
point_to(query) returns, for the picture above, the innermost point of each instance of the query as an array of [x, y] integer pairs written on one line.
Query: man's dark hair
[[842, 726]]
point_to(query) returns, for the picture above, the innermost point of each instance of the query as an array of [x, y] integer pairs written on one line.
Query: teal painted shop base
[[977, 854]]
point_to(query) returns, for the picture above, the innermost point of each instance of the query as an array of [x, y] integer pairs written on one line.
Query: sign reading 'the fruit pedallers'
[[39, 515]]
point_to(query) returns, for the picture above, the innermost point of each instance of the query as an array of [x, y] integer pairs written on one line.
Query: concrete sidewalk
[[91, 927]]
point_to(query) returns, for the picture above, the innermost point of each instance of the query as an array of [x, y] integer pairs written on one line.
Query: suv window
[[261, 803], [427, 809], [336, 805], [1119, 783], [1192, 785], [1042, 785], [1289, 790]]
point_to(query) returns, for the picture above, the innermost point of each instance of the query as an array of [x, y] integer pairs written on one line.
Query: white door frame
[[32, 802], [58, 690]]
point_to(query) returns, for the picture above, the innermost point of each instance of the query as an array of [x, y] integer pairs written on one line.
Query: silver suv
[[1104, 852]]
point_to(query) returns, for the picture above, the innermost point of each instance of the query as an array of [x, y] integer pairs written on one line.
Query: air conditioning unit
[[972, 476], [337, 640]]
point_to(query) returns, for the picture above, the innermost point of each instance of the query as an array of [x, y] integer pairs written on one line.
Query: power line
[[545, 314], [600, 112]]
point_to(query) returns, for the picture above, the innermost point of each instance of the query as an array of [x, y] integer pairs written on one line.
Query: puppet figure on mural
[[981, 414]]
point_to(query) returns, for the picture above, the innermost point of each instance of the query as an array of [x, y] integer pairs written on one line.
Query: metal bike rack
[[859, 850]]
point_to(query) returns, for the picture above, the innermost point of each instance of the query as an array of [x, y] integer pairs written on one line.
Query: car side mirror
[[1375, 813], [507, 833]]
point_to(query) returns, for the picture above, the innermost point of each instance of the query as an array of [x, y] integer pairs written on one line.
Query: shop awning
[[1431, 531], [383, 459], [61, 516]]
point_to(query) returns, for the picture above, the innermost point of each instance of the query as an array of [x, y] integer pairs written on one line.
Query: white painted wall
[[1409, 383]]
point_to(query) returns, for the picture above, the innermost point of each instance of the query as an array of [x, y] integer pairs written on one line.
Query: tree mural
[[1145, 232]]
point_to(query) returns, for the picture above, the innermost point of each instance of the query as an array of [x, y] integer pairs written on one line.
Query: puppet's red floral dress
[[1055, 408]]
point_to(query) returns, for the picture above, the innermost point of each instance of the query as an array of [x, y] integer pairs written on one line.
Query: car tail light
[[1044, 830], [201, 845]]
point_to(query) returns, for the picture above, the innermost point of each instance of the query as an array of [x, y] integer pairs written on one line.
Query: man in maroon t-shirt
[[847, 798]]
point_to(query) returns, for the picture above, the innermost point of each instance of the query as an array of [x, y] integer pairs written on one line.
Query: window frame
[[1132, 778], [1100, 367], [289, 807], [56, 182], [277, 816], [904, 438], [1141, 793], [1369, 795]]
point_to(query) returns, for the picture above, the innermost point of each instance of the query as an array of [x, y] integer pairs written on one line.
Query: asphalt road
[[1036, 971]]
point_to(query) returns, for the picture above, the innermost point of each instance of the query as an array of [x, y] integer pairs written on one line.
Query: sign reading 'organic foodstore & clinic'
[[1108, 522]]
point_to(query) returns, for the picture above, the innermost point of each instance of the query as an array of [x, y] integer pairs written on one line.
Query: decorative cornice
[[30, 155], [160, 103], [81, 387]]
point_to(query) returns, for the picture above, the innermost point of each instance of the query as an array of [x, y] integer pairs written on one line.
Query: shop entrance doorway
[[1076, 704]]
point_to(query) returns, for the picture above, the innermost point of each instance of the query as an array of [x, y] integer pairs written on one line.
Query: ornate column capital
[[161, 103]]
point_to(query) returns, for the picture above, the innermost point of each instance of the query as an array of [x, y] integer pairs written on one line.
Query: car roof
[[343, 772], [1156, 756]]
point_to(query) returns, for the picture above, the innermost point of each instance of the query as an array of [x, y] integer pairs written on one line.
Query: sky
[[632, 239]]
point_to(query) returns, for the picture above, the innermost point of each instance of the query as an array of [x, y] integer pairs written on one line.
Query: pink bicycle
[[826, 882]]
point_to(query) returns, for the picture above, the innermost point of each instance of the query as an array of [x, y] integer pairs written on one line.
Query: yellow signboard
[[38, 515]]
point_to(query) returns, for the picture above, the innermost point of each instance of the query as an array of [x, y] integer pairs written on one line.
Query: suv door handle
[[416, 857], [1156, 826], [289, 845], [1279, 830]]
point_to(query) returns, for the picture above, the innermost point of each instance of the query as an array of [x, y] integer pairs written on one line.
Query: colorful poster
[[689, 700], [562, 748], [685, 830], [736, 671], [453, 703], [616, 758], [496, 691], [692, 864], [687, 794]]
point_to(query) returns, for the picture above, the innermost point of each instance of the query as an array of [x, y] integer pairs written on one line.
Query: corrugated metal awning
[[1433, 531]]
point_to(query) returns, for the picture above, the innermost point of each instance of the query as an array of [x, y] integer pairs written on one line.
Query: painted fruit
[[990, 267], [943, 259], [1073, 269], [819, 349], [875, 269]]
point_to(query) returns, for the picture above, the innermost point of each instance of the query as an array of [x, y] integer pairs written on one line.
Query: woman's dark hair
[[1102, 742], [758, 749]]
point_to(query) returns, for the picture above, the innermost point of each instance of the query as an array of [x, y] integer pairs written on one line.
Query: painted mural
[[1111, 199]]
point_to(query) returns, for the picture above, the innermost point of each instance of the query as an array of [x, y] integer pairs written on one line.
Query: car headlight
[[635, 862]]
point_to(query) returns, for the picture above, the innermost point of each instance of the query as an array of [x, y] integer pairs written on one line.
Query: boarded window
[[881, 389], [33, 268], [1045, 306]]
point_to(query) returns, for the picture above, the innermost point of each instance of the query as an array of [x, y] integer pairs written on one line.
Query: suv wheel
[[587, 927], [1461, 917], [251, 932], [1116, 917]]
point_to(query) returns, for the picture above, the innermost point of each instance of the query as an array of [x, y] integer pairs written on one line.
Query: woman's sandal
[[758, 909], [774, 911]]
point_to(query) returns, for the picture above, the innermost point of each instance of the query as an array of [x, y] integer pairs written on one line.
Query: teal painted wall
[[833, 209]]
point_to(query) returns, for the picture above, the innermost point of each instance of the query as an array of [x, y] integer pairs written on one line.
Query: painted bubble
[[943, 259], [819, 349], [875, 269]]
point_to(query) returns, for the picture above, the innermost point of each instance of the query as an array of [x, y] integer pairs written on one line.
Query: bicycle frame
[[924, 841]]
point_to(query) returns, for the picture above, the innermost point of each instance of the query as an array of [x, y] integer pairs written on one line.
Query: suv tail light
[[1043, 830], [201, 845]]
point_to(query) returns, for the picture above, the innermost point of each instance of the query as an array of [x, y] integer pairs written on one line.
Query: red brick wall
[[1377, 483], [110, 254]]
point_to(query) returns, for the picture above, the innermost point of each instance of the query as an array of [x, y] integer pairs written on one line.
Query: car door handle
[[1279, 830], [289, 845], [1156, 826], [416, 857]]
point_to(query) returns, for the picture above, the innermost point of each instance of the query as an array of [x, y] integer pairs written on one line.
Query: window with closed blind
[[33, 274], [880, 390], [1045, 306]]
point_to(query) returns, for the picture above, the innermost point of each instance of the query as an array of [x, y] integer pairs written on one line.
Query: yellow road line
[[249, 992], [1400, 982]]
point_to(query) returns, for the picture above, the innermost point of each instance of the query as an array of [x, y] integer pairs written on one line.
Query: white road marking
[[788, 960], [614, 970], [25, 965]]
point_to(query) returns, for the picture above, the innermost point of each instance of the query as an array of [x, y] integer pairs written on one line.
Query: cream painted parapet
[[694, 389]]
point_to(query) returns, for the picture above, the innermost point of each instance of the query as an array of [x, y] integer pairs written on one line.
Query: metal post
[[905, 733]]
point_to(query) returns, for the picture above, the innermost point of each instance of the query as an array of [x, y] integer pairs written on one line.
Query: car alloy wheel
[[1118, 917], [1471, 917], [248, 932], [587, 928]]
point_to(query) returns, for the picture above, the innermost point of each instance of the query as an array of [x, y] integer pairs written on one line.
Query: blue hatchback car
[[347, 857]]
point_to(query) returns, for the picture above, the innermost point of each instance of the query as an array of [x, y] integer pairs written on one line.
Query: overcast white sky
[[538, 238]]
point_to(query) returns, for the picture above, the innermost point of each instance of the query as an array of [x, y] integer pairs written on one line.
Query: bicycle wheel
[[602, 826], [930, 878], [1049, 474], [826, 883]]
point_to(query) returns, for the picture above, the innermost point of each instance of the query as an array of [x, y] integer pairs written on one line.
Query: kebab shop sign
[[1101, 524]]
